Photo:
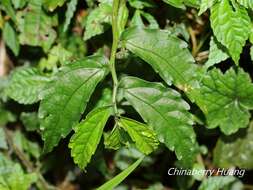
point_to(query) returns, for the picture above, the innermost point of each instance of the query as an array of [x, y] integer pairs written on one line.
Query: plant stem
[[113, 53]]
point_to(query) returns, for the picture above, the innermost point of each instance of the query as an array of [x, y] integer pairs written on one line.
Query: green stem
[[113, 53]]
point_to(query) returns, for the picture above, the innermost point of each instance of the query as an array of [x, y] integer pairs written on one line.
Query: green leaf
[[192, 3], [165, 111], [206, 4], [167, 54], [13, 177], [6, 116], [235, 150], [98, 20], [69, 93], [175, 3], [53, 4], [141, 4], [36, 26], [137, 20], [26, 84], [231, 26], [7, 6], [117, 138], [70, 13], [30, 120], [87, 136], [105, 99], [18, 4], [181, 3], [217, 182], [153, 24], [217, 53], [141, 134], [225, 99], [180, 30], [113, 140], [246, 3], [58, 55], [251, 35], [11, 38], [23, 144], [110, 185], [122, 17]]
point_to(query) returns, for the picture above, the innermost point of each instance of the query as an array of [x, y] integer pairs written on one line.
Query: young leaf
[[217, 53], [225, 99], [166, 112], [97, 20], [117, 138], [69, 94], [167, 54], [87, 135], [26, 84], [70, 13], [113, 140], [36, 26], [11, 39], [53, 4], [58, 55], [246, 3], [110, 185], [206, 4], [141, 134], [235, 150], [231, 26], [217, 182]]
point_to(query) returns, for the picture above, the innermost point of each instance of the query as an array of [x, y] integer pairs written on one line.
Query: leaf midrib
[[168, 65], [68, 100], [176, 132], [91, 135], [141, 137]]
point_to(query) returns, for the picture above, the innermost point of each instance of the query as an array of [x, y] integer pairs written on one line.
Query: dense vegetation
[[117, 92]]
